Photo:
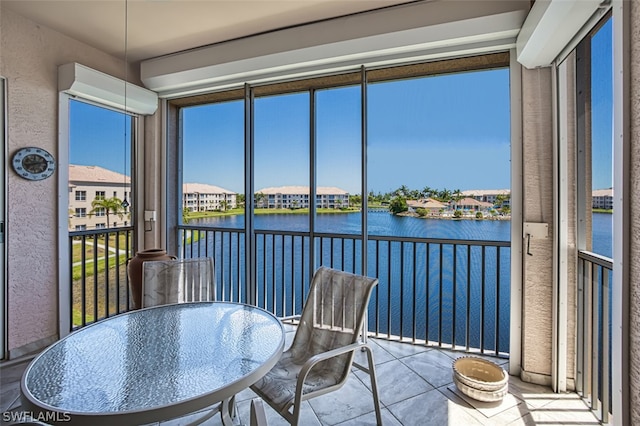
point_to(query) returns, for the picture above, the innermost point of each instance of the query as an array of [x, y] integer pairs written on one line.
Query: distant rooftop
[[481, 192], [608, 192], [203, 188], [426, 203], [293, 190], [96, 174], [468, 201]]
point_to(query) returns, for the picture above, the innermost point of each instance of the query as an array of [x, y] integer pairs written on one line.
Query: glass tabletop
[[156, 357]]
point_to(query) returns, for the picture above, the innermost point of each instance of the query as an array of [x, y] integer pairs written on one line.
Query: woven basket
[[480, 379]]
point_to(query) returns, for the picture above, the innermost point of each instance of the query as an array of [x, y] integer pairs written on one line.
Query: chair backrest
[[177, 281], [332, 317]]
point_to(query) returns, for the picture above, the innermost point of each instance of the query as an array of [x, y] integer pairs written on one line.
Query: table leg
[[228, 411]]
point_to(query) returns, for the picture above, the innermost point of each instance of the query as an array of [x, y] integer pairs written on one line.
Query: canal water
[[420, 293]]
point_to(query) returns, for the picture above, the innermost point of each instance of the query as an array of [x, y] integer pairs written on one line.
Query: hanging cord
[[125, 203]]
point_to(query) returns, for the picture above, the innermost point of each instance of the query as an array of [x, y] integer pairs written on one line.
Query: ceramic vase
[[134, 270]]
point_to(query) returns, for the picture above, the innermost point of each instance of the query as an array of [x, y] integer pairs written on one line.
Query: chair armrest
[[311, 362], [290, 318]]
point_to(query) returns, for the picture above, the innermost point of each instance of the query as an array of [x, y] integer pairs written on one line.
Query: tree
[[422, 212], [185, 215], [223, 205], [403, 191], [240, 199], [479, 215], [398, 205], [457, 213], [260, 198], [444, 195], [110, 205], [500, 199]]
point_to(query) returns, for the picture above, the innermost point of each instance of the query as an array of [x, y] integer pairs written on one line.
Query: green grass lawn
[[233, 212], [90, 268]]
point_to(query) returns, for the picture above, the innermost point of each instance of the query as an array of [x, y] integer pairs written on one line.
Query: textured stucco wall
[[29, 57], [538, 208], [634, 273]]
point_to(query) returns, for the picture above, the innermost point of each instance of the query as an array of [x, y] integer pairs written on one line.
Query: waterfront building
[[291, 197], [602, 199], [200, 197], [88, 183], [433, 207], [471, 204], [489, 195]]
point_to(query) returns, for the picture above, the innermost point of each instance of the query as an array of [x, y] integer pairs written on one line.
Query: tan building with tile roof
[[602, 199], [86, 183], [285, 197], [472, 204], [433, 207], [201, 197], [488, 195]]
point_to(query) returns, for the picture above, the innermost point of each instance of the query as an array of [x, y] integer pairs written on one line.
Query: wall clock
[[33, 163]]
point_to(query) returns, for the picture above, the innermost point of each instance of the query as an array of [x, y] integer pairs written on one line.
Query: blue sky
[[443, 132], [602, 113], [99, 137], [448, 131]]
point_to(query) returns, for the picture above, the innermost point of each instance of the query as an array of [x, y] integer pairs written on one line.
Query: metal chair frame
[[291, 410]]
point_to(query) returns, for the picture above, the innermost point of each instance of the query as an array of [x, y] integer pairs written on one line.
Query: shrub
[[398, 205]]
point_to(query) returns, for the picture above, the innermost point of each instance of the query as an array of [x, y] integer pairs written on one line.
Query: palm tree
[[110, 205], [240, 200], [223, 205], [426, 192], [403, 191], [444, 195], [260, 197]]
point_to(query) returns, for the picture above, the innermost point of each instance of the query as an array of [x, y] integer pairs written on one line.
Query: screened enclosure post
[[249, 202]]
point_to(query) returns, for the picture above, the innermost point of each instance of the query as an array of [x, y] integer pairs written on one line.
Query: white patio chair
[[177, 281], [321, 355]]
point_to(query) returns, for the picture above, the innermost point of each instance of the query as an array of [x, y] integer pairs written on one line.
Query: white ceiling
[[161, 27]]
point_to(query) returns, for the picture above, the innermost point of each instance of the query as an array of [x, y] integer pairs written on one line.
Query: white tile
[[370, 419], [431, 408], [433, 366], [488, 409], [396, 382], [380, 355], [352, 400], [215, 419], [307, 416], [401, 349]]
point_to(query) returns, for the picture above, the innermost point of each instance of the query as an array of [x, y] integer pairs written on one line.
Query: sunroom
[[295, 101]]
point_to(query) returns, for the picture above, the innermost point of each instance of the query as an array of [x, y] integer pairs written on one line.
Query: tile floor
[[415, 388]]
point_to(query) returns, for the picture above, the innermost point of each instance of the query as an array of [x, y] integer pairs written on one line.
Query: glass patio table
[[153, 364]]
